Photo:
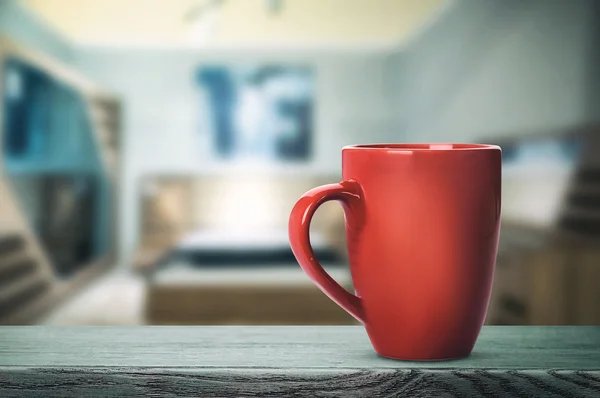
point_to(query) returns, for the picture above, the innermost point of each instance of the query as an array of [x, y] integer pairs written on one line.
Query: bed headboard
[[174, 205]]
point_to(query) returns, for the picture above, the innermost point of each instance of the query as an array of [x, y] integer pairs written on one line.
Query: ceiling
[[237, 22]]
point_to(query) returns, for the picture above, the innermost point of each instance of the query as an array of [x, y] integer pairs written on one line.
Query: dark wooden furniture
[[289, 361]]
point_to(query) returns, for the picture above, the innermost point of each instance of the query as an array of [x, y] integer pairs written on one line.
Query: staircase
[[24, 287], [30, 283], [549, 276], [581, 216]]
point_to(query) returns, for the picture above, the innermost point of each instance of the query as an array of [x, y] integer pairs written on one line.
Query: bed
[[207, 272]]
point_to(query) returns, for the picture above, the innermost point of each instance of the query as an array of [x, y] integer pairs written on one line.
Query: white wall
[[512, 67], [166, 128], [488, 68]]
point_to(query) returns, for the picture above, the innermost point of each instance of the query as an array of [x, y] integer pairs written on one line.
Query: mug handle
[[349, 194]]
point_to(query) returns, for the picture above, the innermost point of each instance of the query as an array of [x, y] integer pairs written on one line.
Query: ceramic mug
[[422, 226]]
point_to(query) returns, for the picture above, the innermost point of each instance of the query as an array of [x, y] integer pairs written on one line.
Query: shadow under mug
[[422, 227]]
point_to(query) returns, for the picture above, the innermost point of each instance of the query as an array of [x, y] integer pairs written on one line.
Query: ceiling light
[[204, 28]]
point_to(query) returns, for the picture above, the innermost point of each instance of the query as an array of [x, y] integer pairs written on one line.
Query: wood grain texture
[[288, 361], [130, 382]]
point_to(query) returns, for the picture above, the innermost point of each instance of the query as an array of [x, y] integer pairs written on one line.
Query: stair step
[[24, 295], [10, 244], [15, 270]]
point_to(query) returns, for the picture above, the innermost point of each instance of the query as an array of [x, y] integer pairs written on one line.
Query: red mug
[[422, 228]]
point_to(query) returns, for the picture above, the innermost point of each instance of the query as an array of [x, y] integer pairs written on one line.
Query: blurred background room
[[151, 150]]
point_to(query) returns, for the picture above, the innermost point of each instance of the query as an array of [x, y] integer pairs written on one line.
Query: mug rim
[[425, 147]]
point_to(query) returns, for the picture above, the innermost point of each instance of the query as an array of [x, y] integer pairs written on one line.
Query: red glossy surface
[[422, 226]]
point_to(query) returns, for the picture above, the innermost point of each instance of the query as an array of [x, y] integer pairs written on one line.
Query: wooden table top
[[275, 361]]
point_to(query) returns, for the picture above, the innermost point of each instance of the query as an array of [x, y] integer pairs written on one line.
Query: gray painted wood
[[288, 361]]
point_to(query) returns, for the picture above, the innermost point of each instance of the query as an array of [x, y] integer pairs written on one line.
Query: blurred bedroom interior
[[151, 151]]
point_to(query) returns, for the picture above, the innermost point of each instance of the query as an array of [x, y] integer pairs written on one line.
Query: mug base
[[441, 359]]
